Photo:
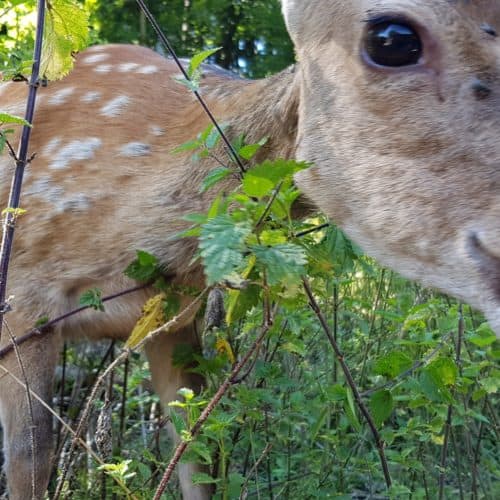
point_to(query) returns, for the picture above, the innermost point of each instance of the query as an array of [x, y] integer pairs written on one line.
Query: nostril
[[488, 262]]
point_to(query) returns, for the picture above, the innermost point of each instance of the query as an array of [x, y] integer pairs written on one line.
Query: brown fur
[[407, 162]]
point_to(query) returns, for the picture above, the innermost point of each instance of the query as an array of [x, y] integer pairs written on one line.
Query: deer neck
[[260, 108]]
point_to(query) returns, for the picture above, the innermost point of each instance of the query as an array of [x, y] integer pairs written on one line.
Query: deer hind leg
[[27, 472], [167, 380]]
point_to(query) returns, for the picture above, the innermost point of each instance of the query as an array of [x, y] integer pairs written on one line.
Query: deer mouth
[[488, 263]]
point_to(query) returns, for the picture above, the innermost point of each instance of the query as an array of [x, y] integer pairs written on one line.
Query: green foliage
[[92, 298], [65, 32]]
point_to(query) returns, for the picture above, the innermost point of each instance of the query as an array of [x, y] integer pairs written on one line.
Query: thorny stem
[[233, 154], [21, 162], [46, 328], [447, 426], [183, 445], [347, 373], [30, 410]]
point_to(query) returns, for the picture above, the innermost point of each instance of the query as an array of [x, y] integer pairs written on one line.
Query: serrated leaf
[[177, 422], [6, 118], [65, 32], [392, 364], [381, 406], [284, 263], [197, 60], [152, 317], [235, 295], [92, 298], [483, 336], [248, 151], [203, 478], [444, 370], [144, 268], [222, 246], [214, 177], [261, 179]]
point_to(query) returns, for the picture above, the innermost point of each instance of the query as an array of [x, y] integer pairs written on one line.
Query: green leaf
[[261, 179], [6, 118], [350, 410], [222, 246], [483, 336], [197, 60], [203, 478], [214, 177], [381, 406], [177, 422], [433, 388], [92, 298], [248, 151], [144, 268], [445, 370], [284, 263], [392, 364], [65, 32]]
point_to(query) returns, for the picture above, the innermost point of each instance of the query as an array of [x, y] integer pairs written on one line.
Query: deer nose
[[486, 252]]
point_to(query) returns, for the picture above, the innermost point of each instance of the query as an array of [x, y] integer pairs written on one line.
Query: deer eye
[[393, 44]]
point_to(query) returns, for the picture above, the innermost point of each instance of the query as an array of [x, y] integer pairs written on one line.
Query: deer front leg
[[167, 380], [28, 460]]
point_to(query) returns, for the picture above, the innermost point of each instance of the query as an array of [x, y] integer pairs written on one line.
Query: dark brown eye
[[393, 44]]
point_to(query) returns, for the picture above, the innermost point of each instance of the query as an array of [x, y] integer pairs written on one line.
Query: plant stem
[[22, 160], [182, 447], [347, 373]]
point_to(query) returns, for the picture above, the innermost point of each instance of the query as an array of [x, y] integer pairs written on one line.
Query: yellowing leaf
[[223, 347], [15, 212], [152, 318], [66, 32]]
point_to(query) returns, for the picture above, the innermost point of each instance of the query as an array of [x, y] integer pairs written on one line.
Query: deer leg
[[27, 427], [167, 380]]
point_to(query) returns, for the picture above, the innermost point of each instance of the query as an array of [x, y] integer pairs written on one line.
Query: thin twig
[[447, 425], [183, 445], [253, 470], [166, 328], [21, 162], [233, 154], [47, 327], [347, 373], [81, 442]]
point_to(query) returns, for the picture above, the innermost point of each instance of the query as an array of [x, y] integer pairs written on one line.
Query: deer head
[[400, 113]]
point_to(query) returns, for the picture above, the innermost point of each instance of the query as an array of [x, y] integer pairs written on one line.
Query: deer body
[[407, 161]]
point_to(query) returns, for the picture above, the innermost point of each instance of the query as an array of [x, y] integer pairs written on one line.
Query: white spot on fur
[[61, 96], [45, 189], [78, 150], [77, 203], [95, 58], [133, 149], [116, 106], [128, 66], [148, 70], [103, 68], [91, 96], [156, 130], [51, 146]]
